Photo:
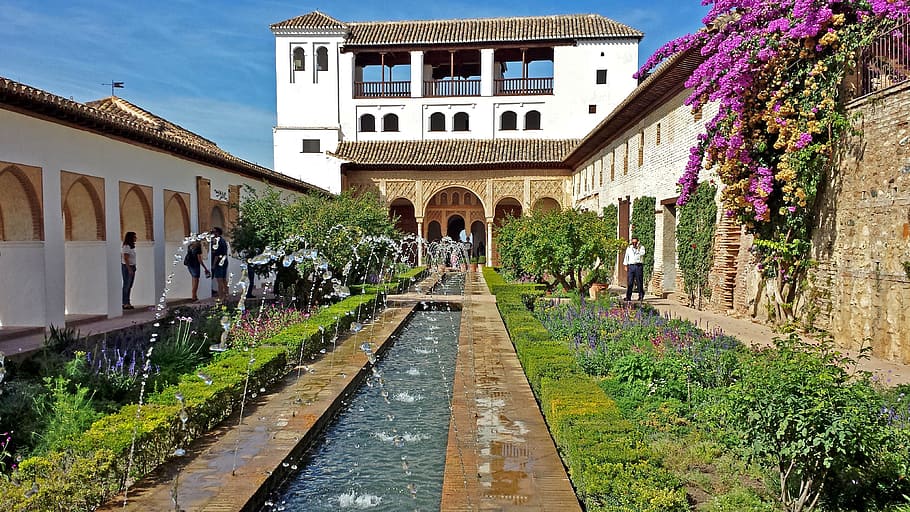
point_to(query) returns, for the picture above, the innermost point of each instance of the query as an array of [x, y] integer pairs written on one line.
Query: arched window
[[460, 122], [390, 123], [438, 122], [367, 123], [455, 198], [508, 120], [532, 120], [322, 59], [299, 55]]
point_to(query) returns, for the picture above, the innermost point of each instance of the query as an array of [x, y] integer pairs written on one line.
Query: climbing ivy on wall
[[643, 227], [695, 240], [611, 219]]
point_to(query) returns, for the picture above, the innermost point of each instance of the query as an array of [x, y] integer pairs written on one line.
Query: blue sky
[[208, 65]]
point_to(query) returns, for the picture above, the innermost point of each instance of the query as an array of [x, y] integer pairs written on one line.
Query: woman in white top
[[128, 266]]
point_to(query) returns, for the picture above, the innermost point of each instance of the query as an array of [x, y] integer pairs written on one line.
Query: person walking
[[634, 265], [128, 266], [194, 263], [220, 262]]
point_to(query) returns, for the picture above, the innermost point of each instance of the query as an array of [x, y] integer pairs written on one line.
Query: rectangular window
[[311, 146], [641, 148], [657, 136], [696, 114], [625, 160], [601, 76], [613, 165], [592, 109]]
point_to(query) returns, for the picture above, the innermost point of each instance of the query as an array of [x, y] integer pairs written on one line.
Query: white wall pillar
[[420, 242], [114, 245], [54, 248], [417, 74], [486, 72], [490, 241]]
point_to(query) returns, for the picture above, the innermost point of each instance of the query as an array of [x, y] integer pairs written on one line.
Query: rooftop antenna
[[115, 85]]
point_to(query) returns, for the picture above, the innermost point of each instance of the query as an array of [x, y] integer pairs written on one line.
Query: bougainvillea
[[776, 72]]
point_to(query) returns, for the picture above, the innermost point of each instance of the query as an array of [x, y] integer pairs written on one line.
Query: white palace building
[[528, 78]]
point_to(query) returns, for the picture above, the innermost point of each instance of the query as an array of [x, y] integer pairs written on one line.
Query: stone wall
[[861, 292]]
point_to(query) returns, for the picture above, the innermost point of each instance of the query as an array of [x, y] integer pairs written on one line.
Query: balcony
[[885, 62], [522, 86], [442, 88], [397, 89]]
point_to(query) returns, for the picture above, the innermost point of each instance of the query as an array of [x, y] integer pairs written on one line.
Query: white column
[[417, 74], [486, 72], [54, 248], [490, 241], [420, 242]]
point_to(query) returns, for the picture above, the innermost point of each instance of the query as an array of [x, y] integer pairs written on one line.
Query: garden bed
[[653, 414]]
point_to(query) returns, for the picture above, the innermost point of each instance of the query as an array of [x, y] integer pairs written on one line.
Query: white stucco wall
[[657, 176], [41, 283], [22, 270]]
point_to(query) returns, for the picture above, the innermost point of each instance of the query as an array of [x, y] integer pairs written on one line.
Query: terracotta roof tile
[[311, 20], [463, 31], [461, 153], [117, 117]]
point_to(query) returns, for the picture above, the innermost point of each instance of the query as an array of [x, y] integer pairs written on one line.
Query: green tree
[[643, 227], [265, 219], [568, 247], [695, 241]]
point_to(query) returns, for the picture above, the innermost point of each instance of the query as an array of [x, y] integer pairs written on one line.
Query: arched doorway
[[21, 247], [402, 211], [434, 232], [505, 208], [453, 209], [86, 282], [546, 204], [479, 232], [455, 226], [176, 228]]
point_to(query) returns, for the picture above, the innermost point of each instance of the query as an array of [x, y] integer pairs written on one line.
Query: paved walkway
[[500, 455], [754, 334]]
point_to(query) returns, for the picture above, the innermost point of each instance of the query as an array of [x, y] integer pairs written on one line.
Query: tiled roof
[[119, 118], [311, 20], [466, 31], [122, 108], [460, 153]]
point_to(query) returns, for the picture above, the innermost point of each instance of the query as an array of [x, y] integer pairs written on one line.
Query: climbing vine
[[775, 70], [643, 227], [695, 241]]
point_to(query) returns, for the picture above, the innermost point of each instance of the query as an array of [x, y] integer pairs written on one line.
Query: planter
[[597, 290]]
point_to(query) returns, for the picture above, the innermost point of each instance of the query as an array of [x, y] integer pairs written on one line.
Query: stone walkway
[[754, 334], [500, 455]]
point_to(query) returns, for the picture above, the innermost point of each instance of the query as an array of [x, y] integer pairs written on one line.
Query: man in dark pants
[[633, 262]]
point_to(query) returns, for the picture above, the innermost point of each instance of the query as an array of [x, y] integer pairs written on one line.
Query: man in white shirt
[[633, 262]]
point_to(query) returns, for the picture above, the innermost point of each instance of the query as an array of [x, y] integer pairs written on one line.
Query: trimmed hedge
[[93, 468], [609, 461], [497, 284]]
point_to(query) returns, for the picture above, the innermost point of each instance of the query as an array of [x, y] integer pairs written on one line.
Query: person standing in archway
[[128, 266], [220, 262]]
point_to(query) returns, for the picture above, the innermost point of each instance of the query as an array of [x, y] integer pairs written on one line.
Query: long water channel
[[386, 448]]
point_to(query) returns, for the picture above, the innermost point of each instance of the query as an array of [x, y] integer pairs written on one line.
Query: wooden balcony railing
[[451, 88], [886, 61], [400, 89], [522, 86]]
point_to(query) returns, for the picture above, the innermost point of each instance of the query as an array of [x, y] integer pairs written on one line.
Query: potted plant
[[474, 264], [600, 283], [481, 260]]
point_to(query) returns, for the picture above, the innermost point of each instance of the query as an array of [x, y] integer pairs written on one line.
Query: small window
[[696, 114], [641, 148], [438, 122], [657, 136], [460, 123], [532, 120], [367, 123], [601, 76], [299, 59], [625, 160], [508, 121], [613, 165], [390, 123], [455, 198], [592, 109], [311, 146], [322, 59]]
